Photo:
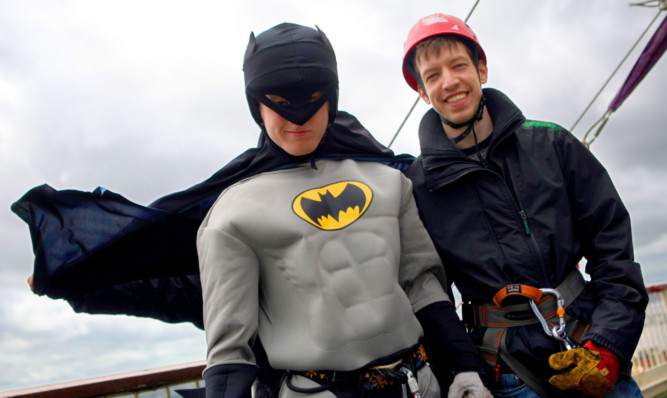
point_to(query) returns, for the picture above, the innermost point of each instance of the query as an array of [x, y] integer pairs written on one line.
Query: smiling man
[[513, 206]]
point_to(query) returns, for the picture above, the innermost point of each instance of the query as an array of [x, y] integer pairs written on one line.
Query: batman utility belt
[[545, 306], [395, 373]]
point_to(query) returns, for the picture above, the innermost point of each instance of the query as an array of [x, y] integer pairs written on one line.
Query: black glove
[[193, 392], [230, 381], [449, 348]]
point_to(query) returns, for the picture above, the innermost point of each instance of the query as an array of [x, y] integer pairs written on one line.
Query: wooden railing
[[650, 358], [154, 383]]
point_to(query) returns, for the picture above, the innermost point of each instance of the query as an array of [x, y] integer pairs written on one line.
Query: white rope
[[602, 122]]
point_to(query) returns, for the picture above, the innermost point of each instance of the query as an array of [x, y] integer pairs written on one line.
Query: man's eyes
[[278, 100], [316, 95]]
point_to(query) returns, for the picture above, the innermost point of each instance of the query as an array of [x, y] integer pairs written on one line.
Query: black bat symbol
[[330, 205]]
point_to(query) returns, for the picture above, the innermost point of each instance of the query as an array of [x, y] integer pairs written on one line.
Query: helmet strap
[[463, 135], [470, 123]]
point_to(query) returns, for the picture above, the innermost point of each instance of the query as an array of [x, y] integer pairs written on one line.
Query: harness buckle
[[413, 386]]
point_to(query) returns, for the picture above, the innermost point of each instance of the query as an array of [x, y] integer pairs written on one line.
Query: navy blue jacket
[[540, 204]]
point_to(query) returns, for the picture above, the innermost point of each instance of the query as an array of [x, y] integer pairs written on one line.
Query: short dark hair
[[434, 44]]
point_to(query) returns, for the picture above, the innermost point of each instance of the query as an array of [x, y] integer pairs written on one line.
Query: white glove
[[468, 385]]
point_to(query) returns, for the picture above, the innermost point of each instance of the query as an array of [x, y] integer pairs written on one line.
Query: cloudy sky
[[146, 98]]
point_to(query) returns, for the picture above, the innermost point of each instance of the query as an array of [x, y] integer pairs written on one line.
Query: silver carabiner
[[559, 331]]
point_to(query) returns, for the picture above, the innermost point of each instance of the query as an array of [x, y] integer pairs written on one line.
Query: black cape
[[105, 254]]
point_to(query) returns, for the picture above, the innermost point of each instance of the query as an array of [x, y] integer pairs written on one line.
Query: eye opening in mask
[[281, 101]]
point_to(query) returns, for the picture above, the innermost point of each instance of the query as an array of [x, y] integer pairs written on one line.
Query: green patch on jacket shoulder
[[533, 123]]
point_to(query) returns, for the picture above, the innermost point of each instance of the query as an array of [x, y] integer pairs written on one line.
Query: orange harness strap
[[517, 290]]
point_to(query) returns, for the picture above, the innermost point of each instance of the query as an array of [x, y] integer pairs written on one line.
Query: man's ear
[[423, 95], [483, 72]]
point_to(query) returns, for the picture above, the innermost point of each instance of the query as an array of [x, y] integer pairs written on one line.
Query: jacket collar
[[442, 162]]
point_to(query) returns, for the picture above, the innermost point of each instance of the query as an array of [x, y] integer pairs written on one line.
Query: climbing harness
[[397, 373], [497, 319]]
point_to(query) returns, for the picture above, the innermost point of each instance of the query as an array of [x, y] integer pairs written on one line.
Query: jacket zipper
[[510, 185], [532, 244], [525, 221]]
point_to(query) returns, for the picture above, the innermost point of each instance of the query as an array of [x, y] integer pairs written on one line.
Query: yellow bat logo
[[333, 206]]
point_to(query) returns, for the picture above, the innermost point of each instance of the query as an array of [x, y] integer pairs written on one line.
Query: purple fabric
[[651, 54]]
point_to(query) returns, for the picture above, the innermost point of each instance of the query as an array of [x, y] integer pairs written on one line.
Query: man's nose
[[449, 80]]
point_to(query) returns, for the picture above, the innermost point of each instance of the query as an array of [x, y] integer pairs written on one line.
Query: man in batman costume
[[105, 254]]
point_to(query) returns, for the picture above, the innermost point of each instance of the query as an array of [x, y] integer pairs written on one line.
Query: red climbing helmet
[[434, 25]]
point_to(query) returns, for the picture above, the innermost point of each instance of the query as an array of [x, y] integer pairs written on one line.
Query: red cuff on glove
[[608, 366]]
